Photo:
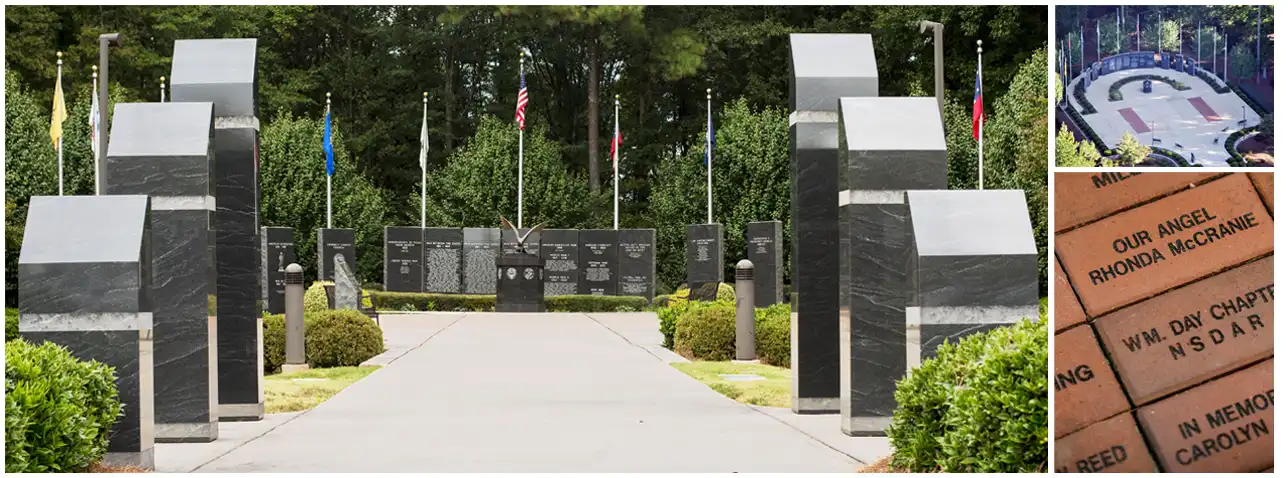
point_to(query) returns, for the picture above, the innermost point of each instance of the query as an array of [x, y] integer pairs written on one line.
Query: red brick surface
[[1111, 446], [1226, 425], [1146, 250], [1068, 312], [1085, 387], [1265, 183], [1083, 197], [1193, 333]]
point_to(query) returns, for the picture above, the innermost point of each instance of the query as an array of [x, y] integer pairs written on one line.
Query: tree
[[1130, 151], [1243, 64], [1171, 36], [1069, 152]]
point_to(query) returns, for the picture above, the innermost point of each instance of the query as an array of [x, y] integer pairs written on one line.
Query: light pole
[[105, 41], [938, 29]]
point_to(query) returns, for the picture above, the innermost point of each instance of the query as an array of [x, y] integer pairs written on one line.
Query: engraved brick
[[1193, 333], [1226, 425], [1144, 251], [1068, 312], [1085, 388], [1112, 446], [1085, 197], [1265, 183]]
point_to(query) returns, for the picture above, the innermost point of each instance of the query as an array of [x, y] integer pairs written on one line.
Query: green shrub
[[978, 406], [275, 342], [595, 303], [774, 335], [10, 324], [1115, 95], [412, 301], [666, 318], [315, 297], [332, 338], [705, 331], [58, 411]]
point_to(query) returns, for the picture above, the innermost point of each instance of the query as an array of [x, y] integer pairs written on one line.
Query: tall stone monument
[[559, 250], [974, 266], [704, 258], [332, 242], [278, 251], [404, 251], [765, 250], [889, 146], [222, 71], [163, 150], [598, 255], [85, 283], [636, 262], [825, 67], [443, 260], [482, 245]]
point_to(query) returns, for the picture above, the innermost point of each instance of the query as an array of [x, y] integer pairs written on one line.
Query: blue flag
[[326, 146], [711, 138]]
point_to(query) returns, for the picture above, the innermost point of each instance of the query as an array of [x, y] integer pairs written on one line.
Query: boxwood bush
[[315, 297], [978, 406], [774, 335], [332, 338], [10, 324], [705, 331], [667, 317], [58, 411]]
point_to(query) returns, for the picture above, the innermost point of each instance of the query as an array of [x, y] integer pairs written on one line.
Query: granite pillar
[[974, 266], [765, 250], [443, 260], [559, 249], [704, 259], [889, 146], [222, 72], [597, 253], [824, 68], [332, 242], [481, 247], [519, 283], [404, 251], [85, 283], [637, 262], [163, 150], [277, 251]]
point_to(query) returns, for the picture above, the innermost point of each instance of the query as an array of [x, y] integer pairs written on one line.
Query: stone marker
[[1191, 334], [163, 150], [404, 251], [704, 256], [278, 249], [1085, 197], [598, 255], [348, 291], [559, 249], [443, 260], [84, 282], [636, 262], [765, 250], [333, 242], [974, 265], [1112, 446], [1125, 258], [1085, 389], [889, 146], [819, 77], [482, 246], [222, 72]]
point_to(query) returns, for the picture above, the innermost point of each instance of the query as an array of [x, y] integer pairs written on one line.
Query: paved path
[[531, 393]]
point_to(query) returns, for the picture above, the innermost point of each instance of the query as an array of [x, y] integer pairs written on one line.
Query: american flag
[[617, 142], [523, 100]]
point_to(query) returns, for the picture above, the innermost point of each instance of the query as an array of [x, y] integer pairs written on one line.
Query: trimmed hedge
[[706, 331], [332, 338], [1086, 130], [59, 411], [667, 317], [774, 335], [315, 297], [1080, 95], [1116, 87], [596, 303], [415, 301], [978, 406], [1236, 159], [1256, 107], [1213, 82], [1180, 160], [10, 324]]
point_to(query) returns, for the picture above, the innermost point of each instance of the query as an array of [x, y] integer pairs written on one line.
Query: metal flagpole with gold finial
[[424, 152], [520, 153], [93, 124], [163, 89], [617, 108], [980, 51], [329, 159], [59, 115], [710, 156]]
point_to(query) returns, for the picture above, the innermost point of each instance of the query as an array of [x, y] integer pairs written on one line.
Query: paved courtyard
[[1192, 118], [556, 392]]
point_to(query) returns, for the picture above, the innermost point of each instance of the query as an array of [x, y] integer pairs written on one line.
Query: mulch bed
[[101, 468]]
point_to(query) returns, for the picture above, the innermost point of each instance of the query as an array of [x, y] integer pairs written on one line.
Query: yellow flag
[[60, 113]]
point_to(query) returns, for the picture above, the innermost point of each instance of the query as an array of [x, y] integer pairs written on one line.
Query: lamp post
[[938, 29], [105, 41]]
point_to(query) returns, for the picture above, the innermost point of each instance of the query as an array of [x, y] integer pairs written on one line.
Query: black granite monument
[[404, 251], [636, 262], [482, 246], [559, 249], [278, 249], [598, 262], [704, 256], [331, 242], [765, 250], [443, 260]]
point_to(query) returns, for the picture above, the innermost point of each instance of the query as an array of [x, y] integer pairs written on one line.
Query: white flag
[[93, 122], [424, 141]]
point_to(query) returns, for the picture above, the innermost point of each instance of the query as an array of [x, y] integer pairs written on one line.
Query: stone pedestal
[[443, 260], [333, 242], [482, 246], [765, 250], [974, 266], [84, 282], [598, 256], [278, 251], [889, 146], [636, 262], [519, 283], [404, 251], [222, 72], [825, 67], [163, 150], [559, 249], [704, 258]]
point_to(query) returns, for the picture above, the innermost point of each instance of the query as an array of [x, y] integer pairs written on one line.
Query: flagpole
[[328, 176], [617, 109], [710, 157], [60, 136], [980, 50], [94, 134], [520, 155], [163, 89], [424, 118]]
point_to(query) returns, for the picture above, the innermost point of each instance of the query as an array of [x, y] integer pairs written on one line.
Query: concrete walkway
[[552, 392]]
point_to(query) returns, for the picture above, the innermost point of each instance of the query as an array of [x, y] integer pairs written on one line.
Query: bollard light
[[745, 318], [295, 361]]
